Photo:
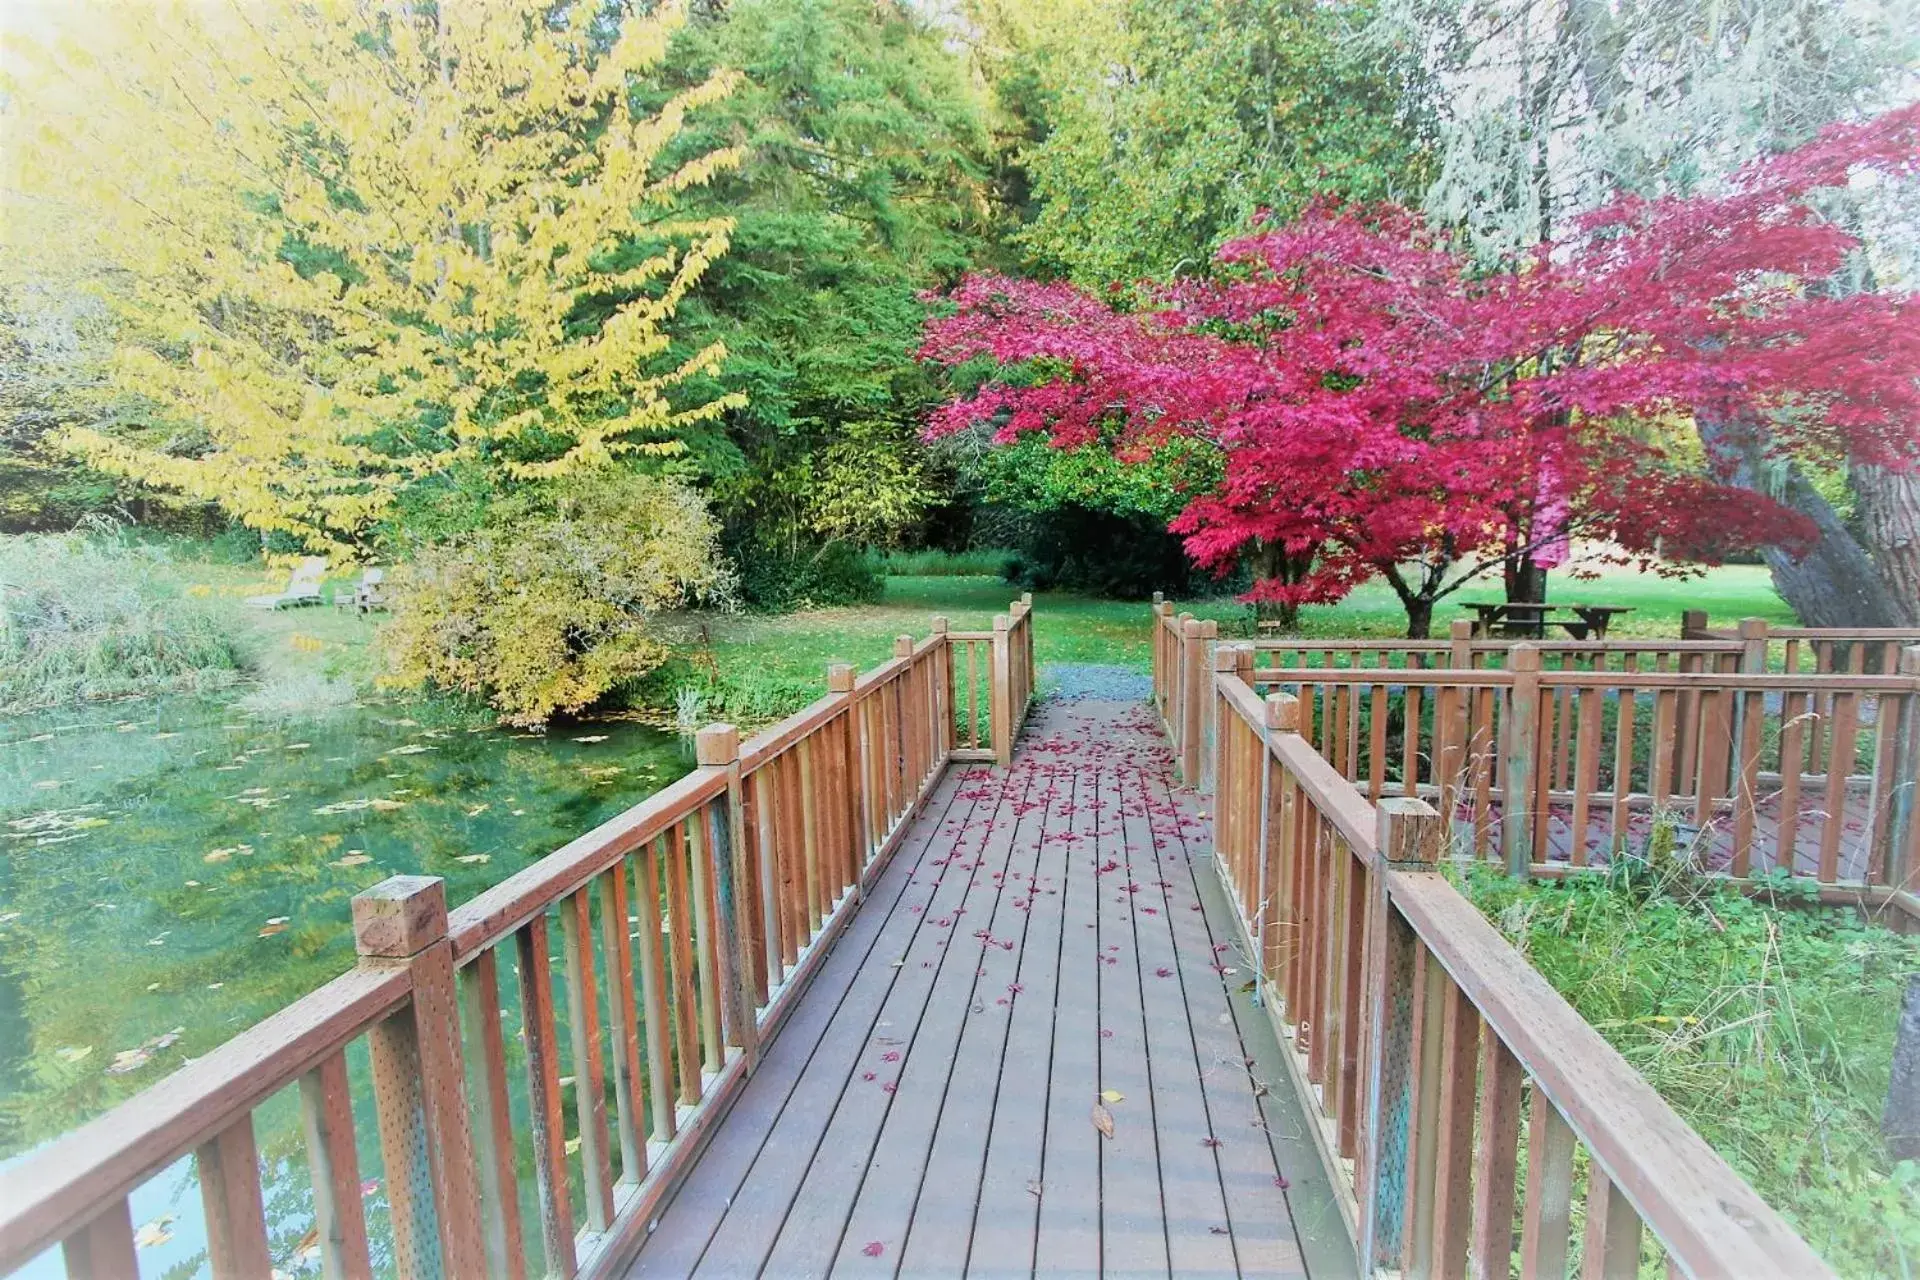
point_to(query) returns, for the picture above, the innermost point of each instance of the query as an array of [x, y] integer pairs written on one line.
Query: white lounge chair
[[303, 587], [368, 594]]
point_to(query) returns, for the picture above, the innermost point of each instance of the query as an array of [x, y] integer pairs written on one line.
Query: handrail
[[739, 874], [1411, 1029]]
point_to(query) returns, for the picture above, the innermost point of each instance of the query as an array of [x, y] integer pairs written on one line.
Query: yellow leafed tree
[[353, 242]]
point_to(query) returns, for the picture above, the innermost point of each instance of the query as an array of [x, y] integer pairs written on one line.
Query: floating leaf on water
[[519, 813], [298, 746], [73, 1053], [471, 858], [155, 1233], [411, 749], [276, 925], [591, 737], [215, 986], [478, 809], [153, 986]]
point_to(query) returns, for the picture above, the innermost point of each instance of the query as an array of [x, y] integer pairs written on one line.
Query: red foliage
[[1377, 401]]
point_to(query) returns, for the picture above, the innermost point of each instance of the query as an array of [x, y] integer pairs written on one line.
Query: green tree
[[1145, 131], [863, 183]]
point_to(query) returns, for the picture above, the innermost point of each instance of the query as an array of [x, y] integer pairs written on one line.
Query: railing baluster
[[492, 1119], [1493, 1184], [589, 1066], [1840, 754], [228, 1165], [656, 1015], [541, 1034], [1453, 1153], [339, 1220], [103, 1248], [1611, 1248], [1547, 1219]]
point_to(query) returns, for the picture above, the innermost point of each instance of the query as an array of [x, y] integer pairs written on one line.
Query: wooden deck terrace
[[1025, 1056]]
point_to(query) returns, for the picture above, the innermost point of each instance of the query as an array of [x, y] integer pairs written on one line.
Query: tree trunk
[[1526, 581], [1833, 585], [1890, 516], [1419, 617]]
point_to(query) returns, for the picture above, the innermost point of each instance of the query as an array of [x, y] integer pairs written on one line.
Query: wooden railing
[[1852, 650], [1562, 752], [685, 929], [1421, 1044], [994, 684]]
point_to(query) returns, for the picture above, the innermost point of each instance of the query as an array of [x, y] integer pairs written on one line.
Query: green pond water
[[172, 872]]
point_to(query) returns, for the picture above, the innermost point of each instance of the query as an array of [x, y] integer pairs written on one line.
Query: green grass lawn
[[756, 667]]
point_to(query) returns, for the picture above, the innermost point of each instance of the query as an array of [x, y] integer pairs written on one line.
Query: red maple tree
[[1383, 406]]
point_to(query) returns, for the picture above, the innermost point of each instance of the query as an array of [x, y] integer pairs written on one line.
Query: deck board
[[984, 1158]]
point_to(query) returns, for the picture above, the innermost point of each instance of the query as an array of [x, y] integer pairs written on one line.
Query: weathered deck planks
[[1038, 939]]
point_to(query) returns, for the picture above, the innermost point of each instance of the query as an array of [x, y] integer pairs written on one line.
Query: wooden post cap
[[1226, 657], [1753, 628], [1209, 628], [1283, 712], [939, 624], [903, 646], [400, 917], [839, 677], [1026, 598], [1524, 656], [1460, 629], [1408, 831], [1001, 622], [1191, 626], [717, 744]]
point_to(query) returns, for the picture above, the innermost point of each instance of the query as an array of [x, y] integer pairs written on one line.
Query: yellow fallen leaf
[[1112, 1095], [474, 857], [272, 927], [354, 858]]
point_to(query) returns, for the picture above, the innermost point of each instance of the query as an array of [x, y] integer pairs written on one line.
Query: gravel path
[[1073, 682]]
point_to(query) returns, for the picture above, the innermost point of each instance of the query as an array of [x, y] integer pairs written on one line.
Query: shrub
[[547, 607], [782, 578], [95, 615]]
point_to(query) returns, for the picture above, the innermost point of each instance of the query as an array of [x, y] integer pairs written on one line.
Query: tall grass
[[1768, 1023], [92, 615]]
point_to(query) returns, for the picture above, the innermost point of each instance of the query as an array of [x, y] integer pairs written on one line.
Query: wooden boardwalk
[[1046, 955]]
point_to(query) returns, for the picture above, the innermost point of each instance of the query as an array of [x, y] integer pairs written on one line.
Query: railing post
[[1521, 723], [1196, 701], [1693, 624], [1408, 836], [1226, 659], [1460, 643], [940, 696], [1903, 827], [1000, 697], [419, 1082], [1753, 646], [718, 747]]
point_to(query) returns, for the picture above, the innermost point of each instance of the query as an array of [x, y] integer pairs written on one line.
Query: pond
[[172, 872]]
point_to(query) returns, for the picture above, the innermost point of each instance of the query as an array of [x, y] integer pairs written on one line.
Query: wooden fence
[[1559, 753], [686, 928], [1421, 1043]]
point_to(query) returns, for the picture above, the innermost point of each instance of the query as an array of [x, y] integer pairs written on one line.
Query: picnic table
[[1589, 621]]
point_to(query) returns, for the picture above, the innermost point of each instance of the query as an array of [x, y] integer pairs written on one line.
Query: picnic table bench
[[1589, 621]]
